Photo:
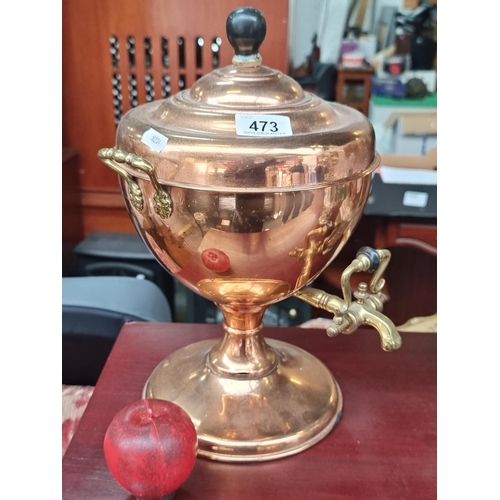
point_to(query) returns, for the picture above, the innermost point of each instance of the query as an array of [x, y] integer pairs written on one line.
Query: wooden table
[[384, 447], [353, 76]]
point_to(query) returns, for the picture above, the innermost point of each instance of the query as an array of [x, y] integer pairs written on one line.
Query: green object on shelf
[[425, 102]]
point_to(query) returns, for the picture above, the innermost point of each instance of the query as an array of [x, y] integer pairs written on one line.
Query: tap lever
[[366, 309], [377, 282], [367, 260]]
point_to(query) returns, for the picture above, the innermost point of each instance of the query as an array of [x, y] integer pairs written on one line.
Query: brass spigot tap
[[367, 308]]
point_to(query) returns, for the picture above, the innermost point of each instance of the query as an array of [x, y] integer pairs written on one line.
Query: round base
[[250, 419]]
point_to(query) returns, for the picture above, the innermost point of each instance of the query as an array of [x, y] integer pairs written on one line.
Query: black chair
[[94, 308], [104, 253], [321, 81]]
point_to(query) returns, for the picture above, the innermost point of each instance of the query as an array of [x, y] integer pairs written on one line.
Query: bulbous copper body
[[278, 206], [285, 238]]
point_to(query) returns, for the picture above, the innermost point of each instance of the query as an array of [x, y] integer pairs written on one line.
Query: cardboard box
[[413, 4], [382, 107], [406, 139], [413, 133], [427, 161]]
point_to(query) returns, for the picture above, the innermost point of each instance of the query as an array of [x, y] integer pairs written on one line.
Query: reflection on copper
[[243, 291], [311, 249]]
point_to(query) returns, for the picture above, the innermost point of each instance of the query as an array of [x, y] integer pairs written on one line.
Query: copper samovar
[[245, 188]]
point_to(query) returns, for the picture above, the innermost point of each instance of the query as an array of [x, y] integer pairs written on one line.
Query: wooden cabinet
[[411, 276], [118, 54], [404, 233]]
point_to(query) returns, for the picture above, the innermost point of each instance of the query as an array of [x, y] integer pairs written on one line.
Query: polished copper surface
[[252, 419], [245, 221], [328, 142], [266, 236], [276, 400], [243, 291]]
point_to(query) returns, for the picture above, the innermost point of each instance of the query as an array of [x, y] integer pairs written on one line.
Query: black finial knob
[[372, 255], [246, 30]]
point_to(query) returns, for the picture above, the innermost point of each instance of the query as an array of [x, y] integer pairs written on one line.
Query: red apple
[[150, 447]]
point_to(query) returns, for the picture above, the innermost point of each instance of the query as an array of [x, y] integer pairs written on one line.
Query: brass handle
[[162, 202], [367, 308], [367, 260]]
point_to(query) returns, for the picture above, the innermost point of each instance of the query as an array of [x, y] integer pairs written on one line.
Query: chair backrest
[[94, 308]]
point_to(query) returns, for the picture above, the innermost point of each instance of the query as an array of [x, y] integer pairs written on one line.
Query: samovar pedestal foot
[[241, 418]]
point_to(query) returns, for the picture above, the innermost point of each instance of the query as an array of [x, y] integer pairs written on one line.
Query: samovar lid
[[248, 127]]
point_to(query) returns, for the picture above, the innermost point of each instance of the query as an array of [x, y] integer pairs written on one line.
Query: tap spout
[[365, 314], [348, 318], [322, 300]]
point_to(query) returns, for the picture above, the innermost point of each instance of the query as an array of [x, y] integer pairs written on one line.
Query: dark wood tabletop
[[384, 446]]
